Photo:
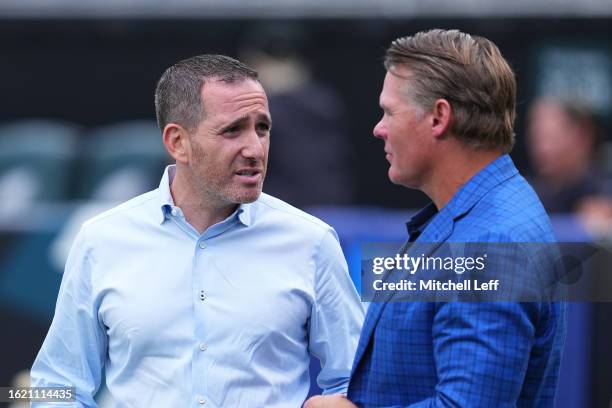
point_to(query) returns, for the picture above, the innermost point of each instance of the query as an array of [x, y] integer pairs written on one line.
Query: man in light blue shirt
[[204, 292]]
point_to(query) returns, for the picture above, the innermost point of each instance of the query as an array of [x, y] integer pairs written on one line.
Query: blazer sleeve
[[482, 349]]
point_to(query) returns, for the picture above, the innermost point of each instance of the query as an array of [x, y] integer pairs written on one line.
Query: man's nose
[[379, 130], [254, 148]]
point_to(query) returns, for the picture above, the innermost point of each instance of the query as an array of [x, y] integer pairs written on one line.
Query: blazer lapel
[[433, 236], [438, 231]]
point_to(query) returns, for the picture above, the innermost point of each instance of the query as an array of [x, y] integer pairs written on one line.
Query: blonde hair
[[470, 73]]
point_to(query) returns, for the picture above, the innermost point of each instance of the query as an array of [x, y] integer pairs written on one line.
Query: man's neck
[[199, 212], [453, 171]]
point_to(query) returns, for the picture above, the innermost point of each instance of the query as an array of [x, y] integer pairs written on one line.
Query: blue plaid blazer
[[456, 354]]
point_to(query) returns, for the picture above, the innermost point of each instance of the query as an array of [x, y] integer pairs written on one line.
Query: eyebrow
[[235, 122], [265, 118], [240, 120]]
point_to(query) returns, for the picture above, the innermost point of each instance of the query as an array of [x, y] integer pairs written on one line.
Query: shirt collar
[[166, 202], [417, 222]]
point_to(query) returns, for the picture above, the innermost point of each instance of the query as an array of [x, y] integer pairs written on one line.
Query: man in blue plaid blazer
[[449, 107]]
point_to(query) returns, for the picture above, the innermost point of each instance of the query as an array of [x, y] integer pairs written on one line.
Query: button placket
[[200, 355]]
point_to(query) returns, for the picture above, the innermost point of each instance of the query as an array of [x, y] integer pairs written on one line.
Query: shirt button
[[202, 244], [174, 212], [201, 400], [202, 295], [203, 346]]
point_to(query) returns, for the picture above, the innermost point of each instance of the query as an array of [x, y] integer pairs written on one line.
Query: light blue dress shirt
[[223, 319]]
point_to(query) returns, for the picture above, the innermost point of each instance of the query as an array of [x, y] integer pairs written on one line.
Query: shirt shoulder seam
[[115, 211], [317, 222]]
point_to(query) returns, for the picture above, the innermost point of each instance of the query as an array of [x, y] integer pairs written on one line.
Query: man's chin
[[393, 176], [402, 180], [247, 197]]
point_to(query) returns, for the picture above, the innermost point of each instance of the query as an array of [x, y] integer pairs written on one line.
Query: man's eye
[[232, 129], [263, 127]]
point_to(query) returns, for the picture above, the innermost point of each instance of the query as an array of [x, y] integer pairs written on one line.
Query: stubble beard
[[210, 188]]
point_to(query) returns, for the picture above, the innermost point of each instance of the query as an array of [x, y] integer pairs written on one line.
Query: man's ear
[[176, 141], [442, 115]]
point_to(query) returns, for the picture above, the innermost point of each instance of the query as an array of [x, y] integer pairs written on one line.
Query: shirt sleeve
[[74, 350], [337, 317]]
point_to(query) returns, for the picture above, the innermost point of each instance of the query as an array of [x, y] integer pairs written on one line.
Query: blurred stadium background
[[78, 133]]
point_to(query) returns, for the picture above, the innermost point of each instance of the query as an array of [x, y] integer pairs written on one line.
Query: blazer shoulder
[[512, 209]]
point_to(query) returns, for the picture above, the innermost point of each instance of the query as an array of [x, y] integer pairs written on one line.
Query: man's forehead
[[399, 72], [218, 94], [218, 86], [390, 90], [396, 84]]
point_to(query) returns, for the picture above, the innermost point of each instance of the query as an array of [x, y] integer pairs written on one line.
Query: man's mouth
[[249, 176], [248, 172]]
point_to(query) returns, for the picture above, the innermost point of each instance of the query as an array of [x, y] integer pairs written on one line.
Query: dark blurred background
[[77, 131]]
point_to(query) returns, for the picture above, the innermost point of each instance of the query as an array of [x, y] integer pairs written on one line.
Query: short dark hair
[[470, 73], [178, 91]]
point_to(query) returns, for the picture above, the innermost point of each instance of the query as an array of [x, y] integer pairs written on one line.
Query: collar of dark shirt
[[498, 171], [419, 221]]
